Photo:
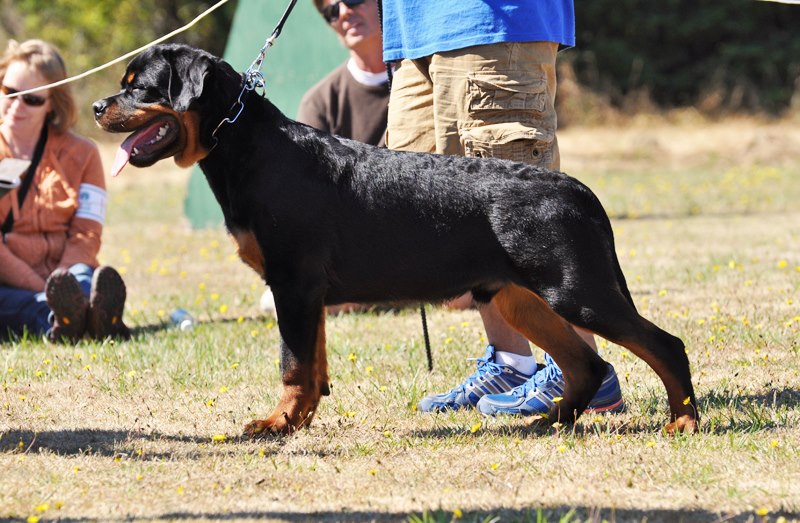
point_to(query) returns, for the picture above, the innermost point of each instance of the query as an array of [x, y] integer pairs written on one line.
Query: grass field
[[708, 233]]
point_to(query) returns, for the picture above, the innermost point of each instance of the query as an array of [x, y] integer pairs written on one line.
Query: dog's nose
[[99, 107]]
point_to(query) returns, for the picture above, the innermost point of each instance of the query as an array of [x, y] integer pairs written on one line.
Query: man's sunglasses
[[331, 12], [29, 99]]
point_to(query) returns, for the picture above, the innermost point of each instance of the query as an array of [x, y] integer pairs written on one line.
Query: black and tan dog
[[325, 220]]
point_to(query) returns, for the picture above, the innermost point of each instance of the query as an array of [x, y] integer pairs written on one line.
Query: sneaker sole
[[106, 305], [69, 305], [617, 406]]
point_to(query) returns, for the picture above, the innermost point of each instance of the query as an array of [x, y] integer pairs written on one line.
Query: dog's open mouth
[[148, 144]]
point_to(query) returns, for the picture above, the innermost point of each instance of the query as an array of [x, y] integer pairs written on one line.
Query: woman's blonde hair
[[46, 60]]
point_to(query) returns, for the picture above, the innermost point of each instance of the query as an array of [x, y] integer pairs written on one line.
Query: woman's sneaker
[[69, 306], [106, 304], [489, 378], [538, 394]]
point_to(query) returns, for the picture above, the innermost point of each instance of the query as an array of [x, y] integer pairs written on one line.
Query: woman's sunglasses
[[331, 12], [29, 99]]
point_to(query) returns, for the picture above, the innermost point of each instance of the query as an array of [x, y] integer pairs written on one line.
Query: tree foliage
[[734, 54]]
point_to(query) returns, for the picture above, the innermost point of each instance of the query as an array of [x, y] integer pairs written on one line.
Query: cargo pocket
[[509, 118], [493, 92], [514, 141]]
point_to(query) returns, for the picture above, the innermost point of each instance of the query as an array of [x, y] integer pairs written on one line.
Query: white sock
[[524, 364]]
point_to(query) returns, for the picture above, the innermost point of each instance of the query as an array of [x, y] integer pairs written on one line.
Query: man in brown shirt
[[352, 100]]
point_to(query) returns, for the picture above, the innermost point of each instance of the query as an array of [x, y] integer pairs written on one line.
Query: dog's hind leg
[[612, 316], [583, 369], [304, 369]]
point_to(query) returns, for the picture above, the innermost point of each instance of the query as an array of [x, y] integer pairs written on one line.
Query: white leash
[[123, 57]]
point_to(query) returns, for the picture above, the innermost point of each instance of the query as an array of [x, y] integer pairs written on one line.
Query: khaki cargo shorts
[[493, 100]]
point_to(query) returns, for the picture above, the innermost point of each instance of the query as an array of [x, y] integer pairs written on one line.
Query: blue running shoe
[[538, 394], [489, 378]]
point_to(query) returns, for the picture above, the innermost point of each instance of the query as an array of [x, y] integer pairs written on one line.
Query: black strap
[[27, 180]]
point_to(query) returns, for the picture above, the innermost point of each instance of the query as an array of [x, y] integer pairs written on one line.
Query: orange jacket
[[48, 233]]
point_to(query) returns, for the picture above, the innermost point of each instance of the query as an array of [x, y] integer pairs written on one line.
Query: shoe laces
[[548, 373], [484, 366]]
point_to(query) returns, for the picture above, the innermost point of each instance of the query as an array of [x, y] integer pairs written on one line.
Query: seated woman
[[50, 282]]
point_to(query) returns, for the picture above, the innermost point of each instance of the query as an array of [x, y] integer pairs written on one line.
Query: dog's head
[[169, 98]]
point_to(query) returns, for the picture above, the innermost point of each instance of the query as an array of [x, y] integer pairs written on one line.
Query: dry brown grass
[[104, 432]]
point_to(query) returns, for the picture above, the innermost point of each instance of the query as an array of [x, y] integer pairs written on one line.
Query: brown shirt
[[340, 105]]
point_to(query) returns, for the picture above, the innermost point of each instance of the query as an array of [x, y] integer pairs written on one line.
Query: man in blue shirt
[[477, 78]]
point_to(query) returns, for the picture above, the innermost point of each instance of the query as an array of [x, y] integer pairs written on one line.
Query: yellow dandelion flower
[[227, 489], [373, 472], [475, 428], [261, 453], [179, 490], [774, 444], [219, 438], [43, 507], [76, 468], [33, 519], [382, 388], [235, 365], [240, 319], [687, 400], [254, 333], [495, 466], [369, 369], [387, 433], [457, 514], [662, 292], [448, 341], [651, 443], [562, 448], [139, 477], [39, 374], [223, 309], [223, 389], [131, 373], [762, 511], [517, 441], [214, 296], [201, 286], [58, 505], [783, 264], [352, 357], [47, 361]]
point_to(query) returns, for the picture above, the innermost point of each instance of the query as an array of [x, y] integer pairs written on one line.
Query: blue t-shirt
[[417, 28]]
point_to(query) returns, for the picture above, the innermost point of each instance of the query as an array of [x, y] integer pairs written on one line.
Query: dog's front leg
[[304, 369]]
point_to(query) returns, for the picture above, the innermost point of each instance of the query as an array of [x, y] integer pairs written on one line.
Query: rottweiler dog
[[326, 220]]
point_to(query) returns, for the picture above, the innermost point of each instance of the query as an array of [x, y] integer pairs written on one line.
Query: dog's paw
[[684, 423], [273, 426]]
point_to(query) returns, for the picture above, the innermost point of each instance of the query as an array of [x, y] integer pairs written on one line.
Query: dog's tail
[[593, 202]]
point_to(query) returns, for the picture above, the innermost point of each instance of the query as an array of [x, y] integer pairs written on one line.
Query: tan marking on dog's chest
[[249, 251]]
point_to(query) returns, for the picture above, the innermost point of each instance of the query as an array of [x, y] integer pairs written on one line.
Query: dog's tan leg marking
[[249, 251], [303, 386], [534, 319]]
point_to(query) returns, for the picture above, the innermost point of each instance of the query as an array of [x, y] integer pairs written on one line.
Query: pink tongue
[[123, 155]]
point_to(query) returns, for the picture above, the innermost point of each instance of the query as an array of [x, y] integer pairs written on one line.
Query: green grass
[[150, 429]]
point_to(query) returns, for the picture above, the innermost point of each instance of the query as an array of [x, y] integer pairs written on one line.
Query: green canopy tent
[[305, 52]]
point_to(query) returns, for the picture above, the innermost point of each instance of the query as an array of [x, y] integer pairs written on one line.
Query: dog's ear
[[189, 78]]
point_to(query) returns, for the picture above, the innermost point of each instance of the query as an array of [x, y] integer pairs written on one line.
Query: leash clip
[[253, 78]]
